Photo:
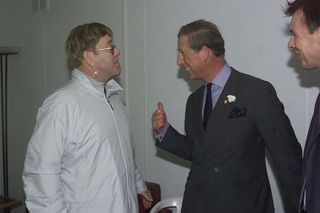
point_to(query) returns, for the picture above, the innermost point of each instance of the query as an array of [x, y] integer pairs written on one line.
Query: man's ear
[[205, 53], [88, 57]]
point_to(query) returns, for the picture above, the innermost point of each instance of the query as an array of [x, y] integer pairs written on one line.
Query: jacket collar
[[112, 87]]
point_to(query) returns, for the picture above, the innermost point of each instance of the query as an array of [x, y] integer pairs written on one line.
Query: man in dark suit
[[226, 141], [305, 41]]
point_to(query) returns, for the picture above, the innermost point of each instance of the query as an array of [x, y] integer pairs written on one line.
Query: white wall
[[145, 31]]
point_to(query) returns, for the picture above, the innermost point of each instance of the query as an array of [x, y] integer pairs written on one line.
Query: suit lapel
[[198, 102], [313, 132]]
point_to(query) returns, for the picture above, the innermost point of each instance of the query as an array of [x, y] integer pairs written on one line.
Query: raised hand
[[159, 118]]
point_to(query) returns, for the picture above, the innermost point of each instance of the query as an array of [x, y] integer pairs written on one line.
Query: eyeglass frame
[[110, 49]]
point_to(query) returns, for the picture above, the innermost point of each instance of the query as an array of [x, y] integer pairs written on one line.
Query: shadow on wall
[[69, 68], [307, 78], [167, 156], [193, 84], [163, 154]]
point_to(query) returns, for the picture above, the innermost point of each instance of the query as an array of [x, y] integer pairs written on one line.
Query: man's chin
[[117, 71], [308, 66], [190, 75]]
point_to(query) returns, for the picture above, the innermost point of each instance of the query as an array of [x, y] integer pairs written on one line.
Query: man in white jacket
[[80, 157]]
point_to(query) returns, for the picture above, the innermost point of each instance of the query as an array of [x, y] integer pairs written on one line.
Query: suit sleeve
[[176, 143], [42, 167], [285, 151]]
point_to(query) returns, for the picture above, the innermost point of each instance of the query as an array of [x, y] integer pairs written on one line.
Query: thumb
[[160, 107]]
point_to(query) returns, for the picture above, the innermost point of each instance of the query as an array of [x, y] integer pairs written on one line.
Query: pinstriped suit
[[228, 172]]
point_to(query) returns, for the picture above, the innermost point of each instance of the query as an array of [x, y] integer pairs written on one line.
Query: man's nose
[[291, 43], [180, 59]]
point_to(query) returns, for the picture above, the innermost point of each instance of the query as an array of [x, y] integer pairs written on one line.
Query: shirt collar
[[222, 77]]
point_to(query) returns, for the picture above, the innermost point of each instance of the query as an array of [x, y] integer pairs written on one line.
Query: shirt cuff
[[160, 136]]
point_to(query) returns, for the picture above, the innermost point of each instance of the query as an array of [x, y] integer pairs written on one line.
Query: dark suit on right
[[311, 165]]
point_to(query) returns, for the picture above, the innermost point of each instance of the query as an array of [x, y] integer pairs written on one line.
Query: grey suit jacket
[[228, 172]]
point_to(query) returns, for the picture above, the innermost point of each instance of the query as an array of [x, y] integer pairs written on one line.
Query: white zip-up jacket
[[80, 157]]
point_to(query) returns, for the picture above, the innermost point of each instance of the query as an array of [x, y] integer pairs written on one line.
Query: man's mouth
[[299, 55]]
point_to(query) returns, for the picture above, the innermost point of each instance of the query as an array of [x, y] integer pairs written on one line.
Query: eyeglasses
[[108, 49]]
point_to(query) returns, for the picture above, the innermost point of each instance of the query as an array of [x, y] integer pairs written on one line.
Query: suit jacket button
[[216, 169]]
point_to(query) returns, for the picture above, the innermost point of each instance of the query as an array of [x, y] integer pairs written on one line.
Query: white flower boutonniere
[[230, 99]]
